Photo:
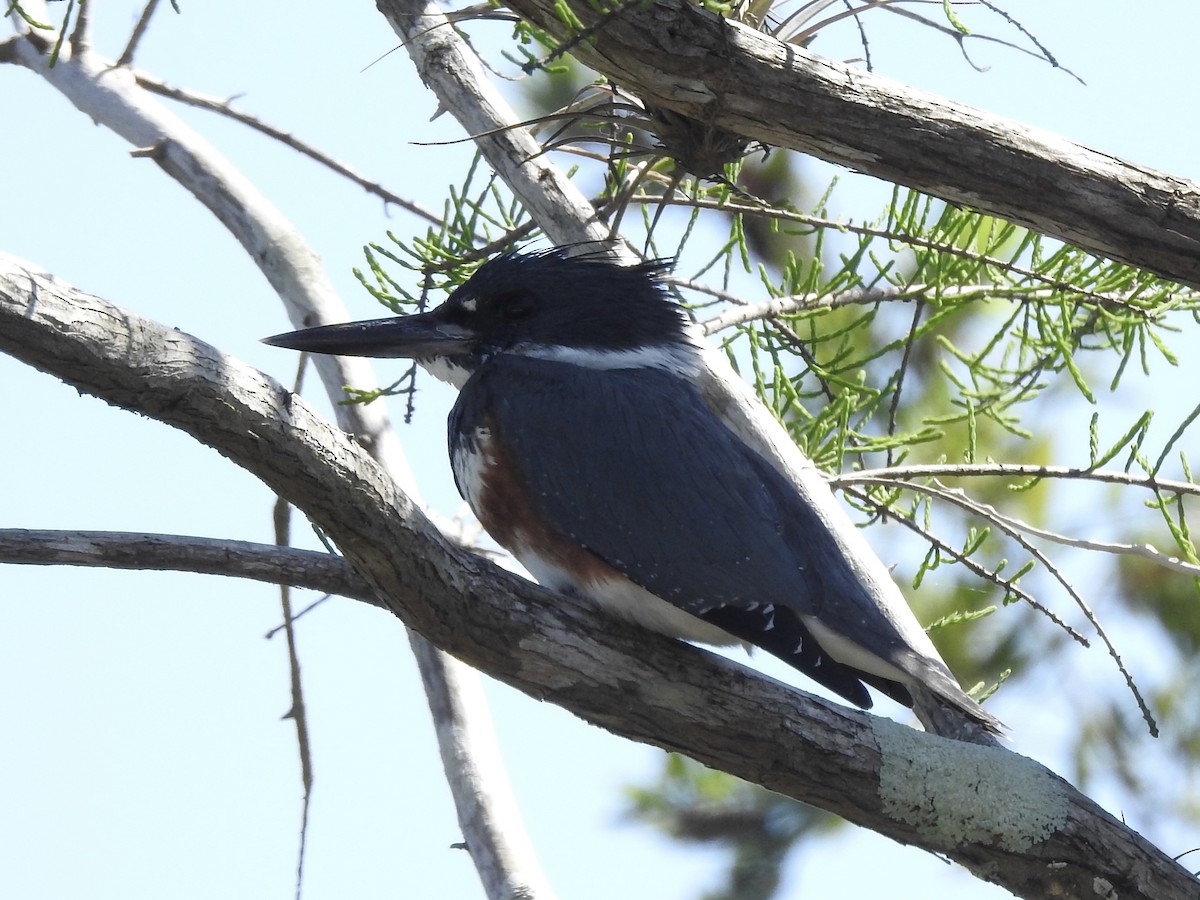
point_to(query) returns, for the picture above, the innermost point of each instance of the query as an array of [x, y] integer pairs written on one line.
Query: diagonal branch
[[450, 68], [225, 108], [680, 56], [1005, 817], [139, 31], [110, 96]]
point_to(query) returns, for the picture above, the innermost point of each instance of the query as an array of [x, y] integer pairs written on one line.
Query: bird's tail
[[959, 718]]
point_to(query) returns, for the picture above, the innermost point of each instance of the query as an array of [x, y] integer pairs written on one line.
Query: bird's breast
[[489, 479]]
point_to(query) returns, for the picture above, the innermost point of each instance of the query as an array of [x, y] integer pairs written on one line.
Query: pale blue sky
[[142, 752]]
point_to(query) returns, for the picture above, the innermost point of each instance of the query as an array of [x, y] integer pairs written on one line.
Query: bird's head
[[584, 309]]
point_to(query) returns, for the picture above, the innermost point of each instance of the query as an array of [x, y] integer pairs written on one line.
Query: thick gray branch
[[674, 54], [449, 67], [1007, 818]]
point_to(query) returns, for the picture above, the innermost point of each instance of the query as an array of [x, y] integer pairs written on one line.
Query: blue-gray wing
[[634, 466]]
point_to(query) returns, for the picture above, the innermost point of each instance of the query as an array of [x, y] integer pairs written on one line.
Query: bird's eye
[[515, 306]]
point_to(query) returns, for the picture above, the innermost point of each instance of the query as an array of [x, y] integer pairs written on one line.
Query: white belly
[[629, 601]]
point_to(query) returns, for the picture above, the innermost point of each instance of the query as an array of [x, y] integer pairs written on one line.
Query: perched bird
[[616, 456]]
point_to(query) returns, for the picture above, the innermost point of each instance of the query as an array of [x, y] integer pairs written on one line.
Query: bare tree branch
[[451, 69], [81, 36], [224, 108], [298, 712], [167, 552], [1005, 817], [678, 55], [139, 31], [1015, 470], [866, 296], [905, 475], [109, 95], [471, 758]]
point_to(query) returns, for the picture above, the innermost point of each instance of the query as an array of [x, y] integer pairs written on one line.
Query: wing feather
[[631, 464]]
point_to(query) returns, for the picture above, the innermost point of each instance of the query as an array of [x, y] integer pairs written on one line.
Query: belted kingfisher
[[597, 439]]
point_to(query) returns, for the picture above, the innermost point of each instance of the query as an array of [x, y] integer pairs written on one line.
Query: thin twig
[[139, 30], [894, 407], [1046, 54], [1012, 470], [282, 523], [909, 239], [1145, 551], [81, 35], [1010, 588], [801, 349], [579, 37], [223, 108], [1014, 529], [866, 296], [297, 712]]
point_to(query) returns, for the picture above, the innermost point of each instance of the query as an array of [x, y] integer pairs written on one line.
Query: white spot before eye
[[469, 304]]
